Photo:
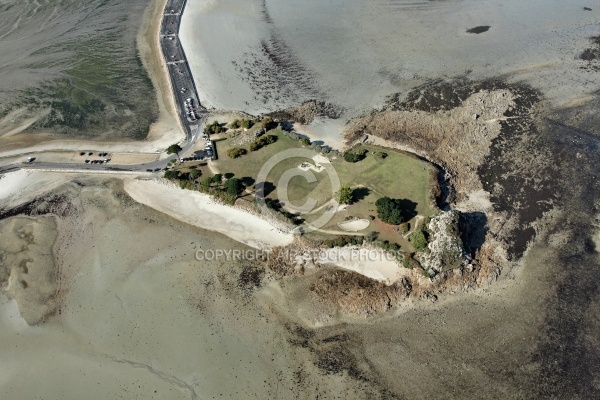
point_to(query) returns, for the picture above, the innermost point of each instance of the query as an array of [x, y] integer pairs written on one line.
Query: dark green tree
[[233, 186], [389, 210], [174, 149]]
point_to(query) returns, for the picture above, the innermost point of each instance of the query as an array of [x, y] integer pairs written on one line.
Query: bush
[[262, 142], [235, 124], [305, 141], [389, 210], [352, 157], [217, 178], [380, 155], [214, 128], [236, 152], [418, 239], [246, 123], [371, 236], [267, 123], [171, 174], [194, 174]]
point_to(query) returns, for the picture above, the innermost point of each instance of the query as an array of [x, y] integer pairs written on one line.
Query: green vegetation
[[305, 141], [242, 123], [214, 128], [342, 241], [389, 210], [267, 123], [345, 195], [172, 174], [233, 186], [236, 152], [105, 90], [262, 142], [418, 239], [355, 156], [174, 149]]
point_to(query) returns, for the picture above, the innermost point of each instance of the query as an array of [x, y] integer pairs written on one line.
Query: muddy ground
[[73, 68]]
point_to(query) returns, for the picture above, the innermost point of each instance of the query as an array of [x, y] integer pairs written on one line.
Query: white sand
[[21, 186], [374, 264], [355, 225], [201, 210]]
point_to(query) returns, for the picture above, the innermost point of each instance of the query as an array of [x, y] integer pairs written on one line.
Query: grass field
[[397, 176]]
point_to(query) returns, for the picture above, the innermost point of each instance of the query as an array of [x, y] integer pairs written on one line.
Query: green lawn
[[397, 176]]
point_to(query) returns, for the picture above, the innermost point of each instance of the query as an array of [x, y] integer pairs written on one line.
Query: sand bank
[[201, 210]]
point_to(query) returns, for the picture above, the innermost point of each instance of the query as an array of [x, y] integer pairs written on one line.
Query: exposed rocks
[[307, 112], [445, 249]]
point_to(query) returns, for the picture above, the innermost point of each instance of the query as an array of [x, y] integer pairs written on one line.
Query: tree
[[389, 210], [345, 195], [233, 186], [174, 149]]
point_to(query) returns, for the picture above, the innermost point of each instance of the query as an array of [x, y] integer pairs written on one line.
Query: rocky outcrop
[[445, 248]]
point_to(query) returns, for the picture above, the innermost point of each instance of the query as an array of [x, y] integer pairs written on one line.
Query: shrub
[[217, 178], [171, 174], [380, 155], [404, 228], [305, 141], [389, 210], [194, 174], [246, 123], [262, 141], [235, 124], [418, 239], [267, 123], [214, 128], [352, 157], [236, 152]]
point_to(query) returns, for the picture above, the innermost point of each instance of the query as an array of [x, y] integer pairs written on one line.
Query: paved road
[[183, 87]]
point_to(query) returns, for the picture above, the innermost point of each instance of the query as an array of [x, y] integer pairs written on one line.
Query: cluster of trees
[[262, 142], [242, 123], [236, 152], [214, 128], [356, 156], [389, 210]]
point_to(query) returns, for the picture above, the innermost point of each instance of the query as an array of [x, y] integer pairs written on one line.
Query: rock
[[445, 249]]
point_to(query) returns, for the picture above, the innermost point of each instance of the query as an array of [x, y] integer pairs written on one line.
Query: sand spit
[[201, 210]]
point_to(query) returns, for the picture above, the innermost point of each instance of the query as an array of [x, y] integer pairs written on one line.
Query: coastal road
[[183, 86]]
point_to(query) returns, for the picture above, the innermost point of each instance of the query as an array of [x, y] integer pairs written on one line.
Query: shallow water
[[262, 55]]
